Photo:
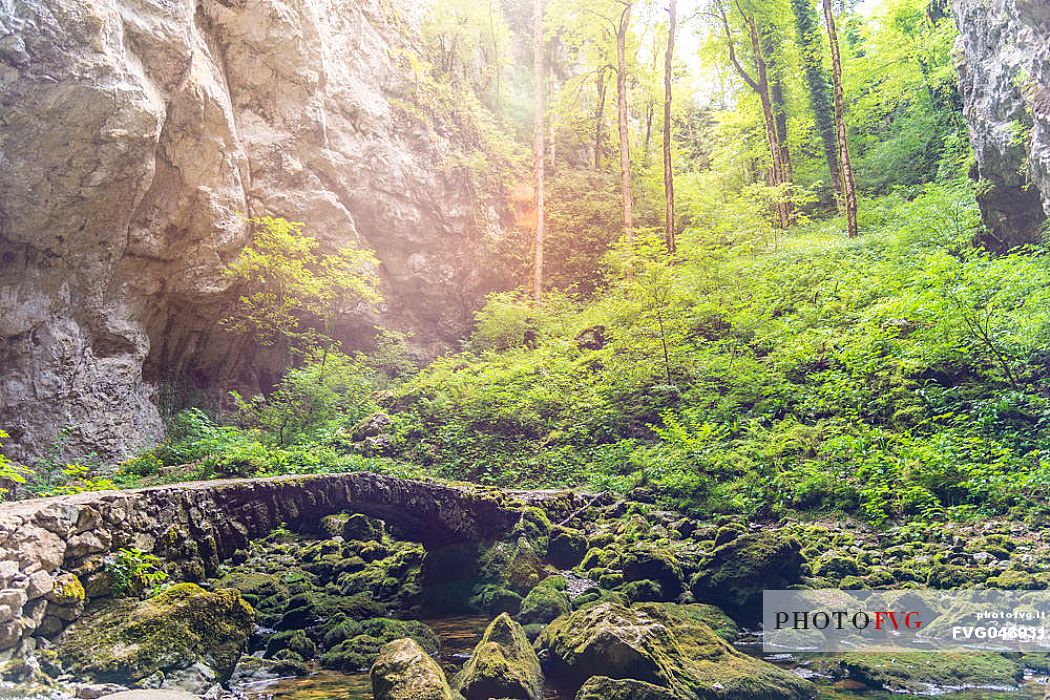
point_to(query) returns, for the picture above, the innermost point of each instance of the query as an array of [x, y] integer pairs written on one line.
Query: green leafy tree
[[292, 294]]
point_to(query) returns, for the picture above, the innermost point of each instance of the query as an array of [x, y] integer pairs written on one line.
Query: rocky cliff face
[[134, 137], [1003, 56]]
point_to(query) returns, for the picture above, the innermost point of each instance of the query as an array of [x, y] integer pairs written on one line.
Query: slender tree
[[759, 84], [621, 115], [849, 193], [818, 85], [668, 172], [599, 118], [772, 49], [538, 149]]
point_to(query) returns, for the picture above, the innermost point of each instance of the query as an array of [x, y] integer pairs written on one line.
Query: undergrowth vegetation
[[898, 375]]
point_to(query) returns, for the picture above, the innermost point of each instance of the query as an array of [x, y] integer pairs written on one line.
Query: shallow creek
[[459, 635]]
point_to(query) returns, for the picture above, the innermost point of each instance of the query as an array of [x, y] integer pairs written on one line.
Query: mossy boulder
[[738, 572], [545, 602], [950, 576], [605, 688], [362, 528], [567, 547], [666, 645], [355, 646], [923, 672], [184, 627], [503, 665], [493, 599], [404, 671], [599, 595], [643, 591], [655, 565]]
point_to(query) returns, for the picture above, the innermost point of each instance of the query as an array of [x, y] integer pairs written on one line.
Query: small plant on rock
[[136, 574]]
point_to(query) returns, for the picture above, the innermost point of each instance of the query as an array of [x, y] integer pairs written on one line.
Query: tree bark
[[819, 88], [599, 119], [669, 232], [621, 113], [538, 150], [849, 192], [780, 116], [760, 86], [775, 149]]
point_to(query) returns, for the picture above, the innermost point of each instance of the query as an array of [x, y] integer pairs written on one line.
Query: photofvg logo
[[832, 620]]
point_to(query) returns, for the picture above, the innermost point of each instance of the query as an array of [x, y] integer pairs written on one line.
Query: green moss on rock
[[567, 547], [738, 572], [545, 602], [503, 665], [917, 672], [605, 688], [354, 646], [126, 641], [665, 645], [404, 671]]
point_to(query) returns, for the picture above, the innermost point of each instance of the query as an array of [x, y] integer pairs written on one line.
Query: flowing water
[[460, 634]]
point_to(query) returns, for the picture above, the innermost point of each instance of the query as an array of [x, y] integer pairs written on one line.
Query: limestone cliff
[[1003, 58], [135, 135]]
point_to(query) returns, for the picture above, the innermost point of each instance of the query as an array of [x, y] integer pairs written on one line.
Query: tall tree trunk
[[778, 176], [818, 85], [599, 119], [538, 150], [772, 49], [621, 116], [760, 86], [849, 192], [668, 172], [647, 143], [552, 141]]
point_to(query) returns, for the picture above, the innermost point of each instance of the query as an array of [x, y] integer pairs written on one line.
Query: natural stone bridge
[[50, 546]]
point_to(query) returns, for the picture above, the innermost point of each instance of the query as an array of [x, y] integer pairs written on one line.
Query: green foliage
[[10, 472], [293, 295], [329, 391], [53, 475], [77, 478], [897, 376], [135, 573]]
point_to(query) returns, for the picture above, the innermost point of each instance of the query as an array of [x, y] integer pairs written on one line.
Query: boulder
[[404, 671], [503, 665], [921, 673], [655, 565], [738, 572], [567, 547], [545, 602], [190, 636], [665, 645], [361, 527], [355, 645], [605, 688]]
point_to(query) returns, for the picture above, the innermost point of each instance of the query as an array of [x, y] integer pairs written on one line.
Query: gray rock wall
[[53, 550], [1003, 59], [134, 137]]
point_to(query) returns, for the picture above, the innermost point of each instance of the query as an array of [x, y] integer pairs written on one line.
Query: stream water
[[459, 635]]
